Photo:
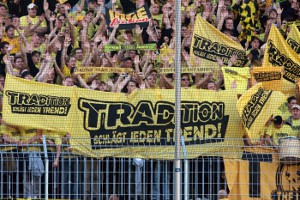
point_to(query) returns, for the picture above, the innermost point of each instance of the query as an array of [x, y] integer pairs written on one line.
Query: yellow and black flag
[[256, 106], [208, 43], [279, 53]]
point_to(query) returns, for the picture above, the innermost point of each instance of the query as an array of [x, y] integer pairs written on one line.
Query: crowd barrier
[[29, 173]]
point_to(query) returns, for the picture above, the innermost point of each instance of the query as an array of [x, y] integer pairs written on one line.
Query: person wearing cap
[[294, 120], [33, 19], [276, 130]]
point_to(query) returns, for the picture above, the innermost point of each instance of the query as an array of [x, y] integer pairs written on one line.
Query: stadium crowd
[[46, 40]]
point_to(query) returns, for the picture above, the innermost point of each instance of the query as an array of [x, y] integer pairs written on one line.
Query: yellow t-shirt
[[66, 71], [14, 43], [35, 20], [295, 127], [278, 133]]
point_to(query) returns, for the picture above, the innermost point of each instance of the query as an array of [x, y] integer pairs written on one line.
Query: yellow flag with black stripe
[[293, 39], [208, 43], [279, 54], [256, 106]]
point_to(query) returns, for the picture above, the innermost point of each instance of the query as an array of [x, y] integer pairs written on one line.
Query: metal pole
[[46, 168], [186, 170], [177, 160]]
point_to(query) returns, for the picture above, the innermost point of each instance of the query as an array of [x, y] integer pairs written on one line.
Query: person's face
[[89, 17], [79, 54], [166, 39], [68, 82], [273, 15], [19, 63], [36, 58], [127, 63], [16, 21], [278, 125], [155, 23], [51, 74], [159, 33], [3, 11], [212, 86], [61, 9], [132, 54], [183, 30], [227, 3], [36, 39], [154, 74], [131, 87], [295, 5], [130, 37], [5, 49], [32, 12], [185, 81], [151, 81], [62, 19], [154, 9], [11, 33], [293, 102], [103, 87], [255, 44], [296, 113], [72, 62], [229, 24]]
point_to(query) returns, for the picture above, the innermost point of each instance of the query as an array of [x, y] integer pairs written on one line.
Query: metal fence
[[33, 173]]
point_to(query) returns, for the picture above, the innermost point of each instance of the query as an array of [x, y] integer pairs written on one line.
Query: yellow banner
[[208, 43], [93, 70], [270, 77], [279, 54], [256, 106], [170, 70], [261, 176], [141, 125]]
